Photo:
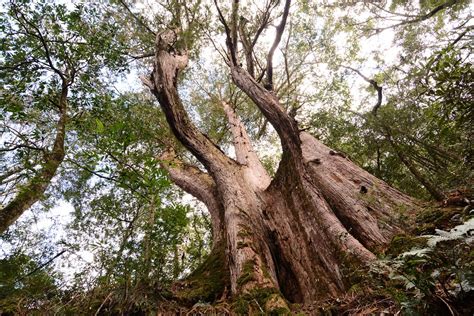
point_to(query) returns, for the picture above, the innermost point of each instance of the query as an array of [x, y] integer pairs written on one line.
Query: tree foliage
[[66, 73]]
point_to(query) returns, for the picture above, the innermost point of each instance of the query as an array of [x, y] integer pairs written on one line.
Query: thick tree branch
[[248, 49], [163, 84], [271, 108], [234, 25], [197, 183], [240, 139], [189, 178], [244, 151]]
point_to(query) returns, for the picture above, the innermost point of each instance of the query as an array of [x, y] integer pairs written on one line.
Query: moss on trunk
[[261, 301], [208, 283]]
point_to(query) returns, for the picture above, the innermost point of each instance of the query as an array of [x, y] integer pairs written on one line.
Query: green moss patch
[[276, 305], [261, 301], [429, 219], [247, 274], [207, 283], [403, 243]]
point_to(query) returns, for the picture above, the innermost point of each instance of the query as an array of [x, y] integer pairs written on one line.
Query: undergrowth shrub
[[437, 277]]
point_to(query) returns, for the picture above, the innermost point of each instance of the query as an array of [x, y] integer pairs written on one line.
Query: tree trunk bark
[[293, 233], [35, 188]]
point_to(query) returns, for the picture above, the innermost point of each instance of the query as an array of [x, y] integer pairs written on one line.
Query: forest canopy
[[236, 157]]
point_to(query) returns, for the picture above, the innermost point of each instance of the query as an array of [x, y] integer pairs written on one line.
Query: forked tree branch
[[375, 85], [229, 43], [22, 19], [136, 17], [163, 84], [423, 17], [266, 100], [248, 43], [279, 33]]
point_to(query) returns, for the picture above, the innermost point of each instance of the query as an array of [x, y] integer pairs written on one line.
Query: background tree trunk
[[36, 186]]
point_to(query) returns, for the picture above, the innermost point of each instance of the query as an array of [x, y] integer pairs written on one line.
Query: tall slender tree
[[49, 55]]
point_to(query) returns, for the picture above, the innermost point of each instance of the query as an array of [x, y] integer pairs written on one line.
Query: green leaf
[[100, 128]]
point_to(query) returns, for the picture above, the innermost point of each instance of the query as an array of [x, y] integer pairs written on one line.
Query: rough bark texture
[[240, 205], [34, 189], [292, 233], [200, 185], [366, 204]]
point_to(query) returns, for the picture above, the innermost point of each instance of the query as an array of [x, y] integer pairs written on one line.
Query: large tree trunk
[[293, 233], [330, 214]]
